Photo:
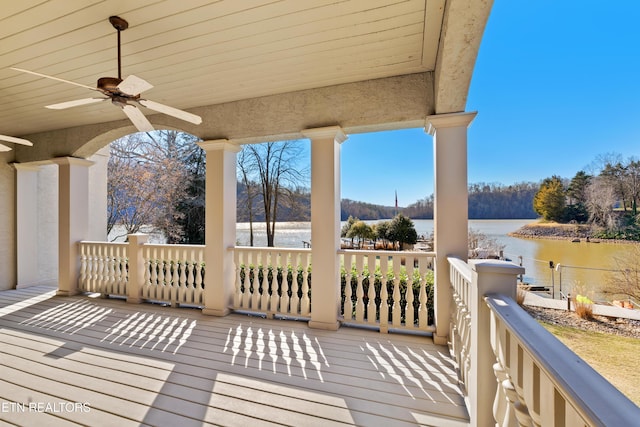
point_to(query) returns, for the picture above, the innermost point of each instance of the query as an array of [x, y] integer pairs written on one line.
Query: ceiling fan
[[13, 140], [123, 93]]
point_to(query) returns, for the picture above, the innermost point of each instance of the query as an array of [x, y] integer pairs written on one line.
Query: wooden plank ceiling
[[202, 52]]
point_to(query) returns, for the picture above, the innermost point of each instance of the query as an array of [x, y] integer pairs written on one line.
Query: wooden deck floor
[[100, 362]]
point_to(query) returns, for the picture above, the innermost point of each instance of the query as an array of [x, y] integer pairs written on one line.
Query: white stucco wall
[[7, 223], [98, 195], [48, 225]]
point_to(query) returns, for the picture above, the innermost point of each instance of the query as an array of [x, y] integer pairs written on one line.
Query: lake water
[[582, 264]]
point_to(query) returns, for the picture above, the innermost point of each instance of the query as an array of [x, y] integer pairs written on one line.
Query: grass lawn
[[615, 358]]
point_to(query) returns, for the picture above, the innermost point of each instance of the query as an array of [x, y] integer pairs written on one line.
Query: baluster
[[423, 313], [100, 268], [83, 267], [266, 283], [199, 286], [347, 306], [288, 259], [295, 288], [158, 275], [175, 263], [190, 267], [164, 273], [512, 397], [396, 311], [409, 315], [371, 295], [466, 343], [533, 391], [277, 264], [500, 401], [110, 283], [115, 269], [517, 370], [237, 296], [183, 263], [255, 294], [89, 269], [384, 294], [305, 302], [124, 277], [148, 270], [359, 288], [247, 279]]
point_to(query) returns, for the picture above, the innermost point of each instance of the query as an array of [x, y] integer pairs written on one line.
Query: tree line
[[606, 198], [487, 201]]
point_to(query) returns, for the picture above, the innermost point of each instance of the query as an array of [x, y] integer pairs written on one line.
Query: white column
[[136, 267], [27, 225], [220, 225], [325, 225], [451, 214], [489, 277], [73, 219]]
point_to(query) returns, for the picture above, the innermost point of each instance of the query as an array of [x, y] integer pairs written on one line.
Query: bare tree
[[600, 198], [250, 186], [279, 172], [625, 281], [146, 179]]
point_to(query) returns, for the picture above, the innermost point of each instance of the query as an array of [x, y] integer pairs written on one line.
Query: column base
[[440, 339], [327, 326], [216, 312], [66, 293]]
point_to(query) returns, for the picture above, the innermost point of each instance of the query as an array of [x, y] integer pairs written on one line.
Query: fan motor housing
[[109, 84]]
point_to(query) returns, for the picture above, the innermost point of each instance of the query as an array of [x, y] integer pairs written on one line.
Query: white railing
[[461, 277], [274, 281], [139, 271], [103, 268], [387, 289], [173, 274], [542, 382], [513, 371]]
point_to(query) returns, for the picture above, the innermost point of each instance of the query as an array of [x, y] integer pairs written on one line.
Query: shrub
[[584, 307]]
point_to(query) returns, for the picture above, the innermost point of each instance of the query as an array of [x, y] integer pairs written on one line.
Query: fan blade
[[137, 118], [16, 140], [179, 114], [76, 103], [133, 85], [55, 78], [4, 148]]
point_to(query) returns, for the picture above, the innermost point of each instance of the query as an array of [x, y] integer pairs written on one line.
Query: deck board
[[155, 365]]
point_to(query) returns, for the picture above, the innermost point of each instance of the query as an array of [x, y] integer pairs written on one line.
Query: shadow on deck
[[101, 362]]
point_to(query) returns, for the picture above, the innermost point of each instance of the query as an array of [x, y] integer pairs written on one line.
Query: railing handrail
[[95, 242], [461, 267], [388, 253], [591, 395], [170, 245], [270, 249]]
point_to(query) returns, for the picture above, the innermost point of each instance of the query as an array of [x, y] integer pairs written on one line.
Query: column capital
[[28, 167], [436, 121], [334, 132], [219, 144], [73, 161]]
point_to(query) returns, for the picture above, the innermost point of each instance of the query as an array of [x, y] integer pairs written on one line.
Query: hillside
[[486, 201]]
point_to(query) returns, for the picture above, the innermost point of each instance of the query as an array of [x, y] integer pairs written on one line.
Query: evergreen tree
[[577, 198], [402, 230]]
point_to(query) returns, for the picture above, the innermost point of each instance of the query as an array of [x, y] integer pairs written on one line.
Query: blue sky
[[556, 84]]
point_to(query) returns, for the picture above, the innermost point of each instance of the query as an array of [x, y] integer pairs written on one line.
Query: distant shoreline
[[558, 231]]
